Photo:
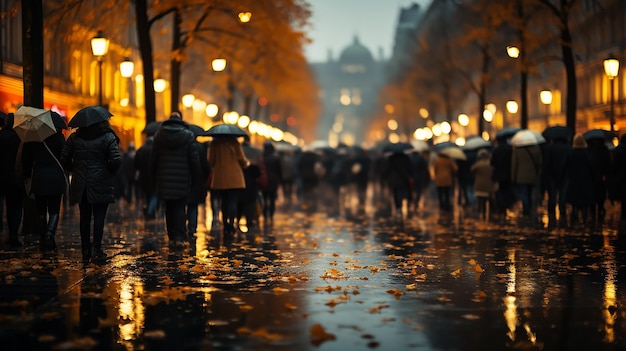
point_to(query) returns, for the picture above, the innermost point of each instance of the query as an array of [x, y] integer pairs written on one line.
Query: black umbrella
[[557, 132], [598, 134], [196, 130], [89, 116], [151, 128], [397, 148], [225, 130], [59, 121], [507, 132]]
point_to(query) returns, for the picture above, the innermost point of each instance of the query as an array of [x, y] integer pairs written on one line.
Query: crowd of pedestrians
[[172, 173]]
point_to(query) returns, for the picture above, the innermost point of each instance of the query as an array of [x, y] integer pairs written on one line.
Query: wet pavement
[[311, 281]]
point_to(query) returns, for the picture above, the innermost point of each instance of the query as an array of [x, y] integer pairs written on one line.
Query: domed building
[[349, 90]]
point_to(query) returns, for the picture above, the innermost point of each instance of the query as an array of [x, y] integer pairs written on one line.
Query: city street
[[429, 281]]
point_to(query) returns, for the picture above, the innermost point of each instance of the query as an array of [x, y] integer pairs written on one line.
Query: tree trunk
[[32, 65], [145, 48], [570, 74], [483, 90], [175, 64]]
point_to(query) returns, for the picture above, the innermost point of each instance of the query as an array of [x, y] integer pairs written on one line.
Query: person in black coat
[[501, 161], [93, 157], [553, 162], [601, 160], [618, 188], [144, 178], [274, 171], [399, 173], [199, 191], [175, 167], [48, 183], [11, 188], [579, 174]]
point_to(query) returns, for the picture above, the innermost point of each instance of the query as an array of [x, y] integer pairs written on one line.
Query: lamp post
[[611, 68], [546, 99], [99, 48]]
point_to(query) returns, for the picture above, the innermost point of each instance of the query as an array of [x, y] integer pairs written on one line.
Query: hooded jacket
[[93, 157], [174, 160]]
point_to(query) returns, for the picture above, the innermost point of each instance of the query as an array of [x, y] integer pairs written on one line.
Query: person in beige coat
[[484, 186], [227, 162], [444, 169]]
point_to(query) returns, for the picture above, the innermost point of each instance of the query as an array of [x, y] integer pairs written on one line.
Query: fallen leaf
[[456, 273], [319, 335]]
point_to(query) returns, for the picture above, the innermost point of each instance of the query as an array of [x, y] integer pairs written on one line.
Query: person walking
[[42, 169], [272, 163], [399, 173], [501, 162], [175, 167], [484, 185], [579, 175], [601, 160], [198, 193], [92, 156], [144, 178], [553, 162], [11, 188], [526, 164], [618, 188], [255, 176], [444, 169], [227, 162]]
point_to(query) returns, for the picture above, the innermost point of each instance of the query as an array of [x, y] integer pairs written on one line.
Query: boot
[[49, 243], [43, 226], [85, 247]]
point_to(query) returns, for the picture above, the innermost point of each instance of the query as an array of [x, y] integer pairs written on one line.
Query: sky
[[336, 22]]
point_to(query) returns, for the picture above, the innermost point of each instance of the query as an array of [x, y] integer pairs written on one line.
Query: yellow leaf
[[478, 268], [411, 287], [472, 262], [290, 306], [421, 277], [279, 290], [456, 273]]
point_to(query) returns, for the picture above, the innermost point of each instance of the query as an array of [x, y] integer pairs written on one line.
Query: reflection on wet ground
[[312, 281]]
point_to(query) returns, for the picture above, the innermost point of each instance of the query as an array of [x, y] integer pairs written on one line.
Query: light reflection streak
[[610, 291], [510, 313], [131, 312]]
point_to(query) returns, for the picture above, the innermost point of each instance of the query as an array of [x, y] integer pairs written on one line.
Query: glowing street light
[[218, 64], [127, 67], [99, 48], [611, 68]]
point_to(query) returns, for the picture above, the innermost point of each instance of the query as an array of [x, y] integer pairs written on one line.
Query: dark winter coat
[[305, 168], [9, 144], [47, 176], [142, 165], [174, 161], [601, 160], [554, 159], [617, 190], [274, 171], [198, 187], [398, 171], [501, 162], [579, 175], [93, 157]]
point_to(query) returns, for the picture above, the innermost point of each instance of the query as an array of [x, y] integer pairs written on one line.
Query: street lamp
[[611, 68], [546, 98], [99, 48], [127, 67], [511, 107], [218, 65]]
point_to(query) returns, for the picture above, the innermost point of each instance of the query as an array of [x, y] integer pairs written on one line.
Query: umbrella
[[527, 137], [453, 152], [557, 132], [419, 145], [598, 134], [225, 130], [507, 132], [444, 145], [319, 145], [396, 148], [196, 130], [151, 128], [59, 121], [89, 116], [283, 146], [33, 124], [475, 143]]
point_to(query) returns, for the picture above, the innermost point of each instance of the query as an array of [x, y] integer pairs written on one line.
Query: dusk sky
[[336, 22]]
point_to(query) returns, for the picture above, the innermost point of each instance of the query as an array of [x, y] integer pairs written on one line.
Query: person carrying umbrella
[[93, 156], [46, 176], [175, 167], [227, 162], [11, 188]]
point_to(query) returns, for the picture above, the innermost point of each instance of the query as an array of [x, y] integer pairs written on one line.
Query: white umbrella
[[527, 137], [453, 152], [475, 143], [419, 145], [33, 124]]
